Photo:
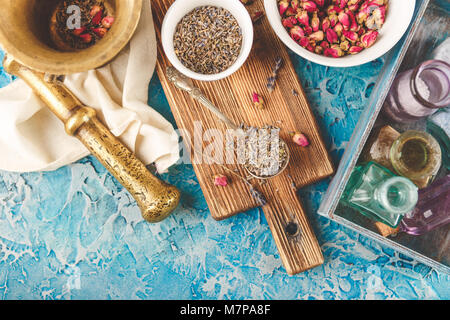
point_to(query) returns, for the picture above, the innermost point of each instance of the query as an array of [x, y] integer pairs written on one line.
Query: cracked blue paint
[[75, 233]]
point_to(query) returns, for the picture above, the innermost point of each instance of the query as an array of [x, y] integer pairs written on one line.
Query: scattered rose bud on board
[[258, 101], [300, 139], [220, 180], [333, 28]]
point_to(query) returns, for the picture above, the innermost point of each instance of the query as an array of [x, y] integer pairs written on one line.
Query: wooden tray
[[299, 250]]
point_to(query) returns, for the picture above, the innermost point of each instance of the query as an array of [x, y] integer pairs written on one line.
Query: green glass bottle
[[377, 193]]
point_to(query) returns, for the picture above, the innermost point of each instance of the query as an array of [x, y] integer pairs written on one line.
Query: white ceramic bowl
[[399, 15], [180, 8]]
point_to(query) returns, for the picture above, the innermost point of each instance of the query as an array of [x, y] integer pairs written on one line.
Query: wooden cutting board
[[287, 108]]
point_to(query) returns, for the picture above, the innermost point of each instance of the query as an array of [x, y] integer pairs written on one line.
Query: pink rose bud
[[288, 23], [333, 19], [326, 24], [304, 42], [108, 21], [344, 45], [317, 36], [294, 4], [315, 22], [353, 24], [377, 2], [344, 19], [353, 7], [308, 30], [309, 6], [338, 28], [355, 49], [220, 180], [361, 16], [79, 31], [364, 6], [343, 3], [350, 35], [333, 10], [297, 32], [324, 44], [283, 5], [257, 100], [95, 9], [377, 18], [97, 18], [290, 12], [369, 38], [87, 38], [303, 18], [332, 36], [101, 32], [335, 51], [300, 139]]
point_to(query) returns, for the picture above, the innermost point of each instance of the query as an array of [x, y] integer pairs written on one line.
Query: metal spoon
[[184, 83]]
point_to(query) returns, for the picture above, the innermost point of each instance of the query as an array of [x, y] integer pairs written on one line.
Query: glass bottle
[[438, 125], [419, 92], [432, 209], [417, 156], [378, 147], [379, 194]]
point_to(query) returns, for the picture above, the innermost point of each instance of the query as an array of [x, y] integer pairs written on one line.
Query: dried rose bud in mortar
[[95, 23], [334, 28]]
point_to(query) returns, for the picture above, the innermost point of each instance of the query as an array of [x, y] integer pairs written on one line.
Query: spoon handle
[[184, 83], [211, 107]]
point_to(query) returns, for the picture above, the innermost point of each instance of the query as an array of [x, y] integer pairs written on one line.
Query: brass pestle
[[30, 56]]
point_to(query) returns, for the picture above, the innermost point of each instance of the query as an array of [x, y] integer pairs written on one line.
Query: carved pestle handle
[[155, 198]]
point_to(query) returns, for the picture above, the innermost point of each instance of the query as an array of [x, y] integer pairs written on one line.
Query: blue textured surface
[[76, 234]]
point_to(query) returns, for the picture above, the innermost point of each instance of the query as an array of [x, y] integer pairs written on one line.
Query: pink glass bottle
[[419, 92], [432, 209]]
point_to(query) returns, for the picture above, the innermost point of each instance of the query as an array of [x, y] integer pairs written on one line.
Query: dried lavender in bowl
[[208, 40]]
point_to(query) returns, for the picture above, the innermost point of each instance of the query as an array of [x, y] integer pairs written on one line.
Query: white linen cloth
[[33, 139]]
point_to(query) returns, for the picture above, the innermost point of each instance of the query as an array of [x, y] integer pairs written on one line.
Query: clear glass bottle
[[432, 209], [419, 92], [417, 156], [379, 194]]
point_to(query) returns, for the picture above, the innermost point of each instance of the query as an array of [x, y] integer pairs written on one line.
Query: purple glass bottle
[[419, 92], [432, 209]]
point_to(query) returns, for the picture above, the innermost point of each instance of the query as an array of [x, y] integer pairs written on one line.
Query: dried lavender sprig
[[258, 196], [271, 80]]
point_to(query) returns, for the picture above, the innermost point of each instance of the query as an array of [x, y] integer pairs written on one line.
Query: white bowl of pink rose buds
[[340, 33]]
